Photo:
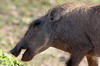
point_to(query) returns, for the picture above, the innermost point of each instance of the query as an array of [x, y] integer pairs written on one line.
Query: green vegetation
[[7, 60], [15, 15]]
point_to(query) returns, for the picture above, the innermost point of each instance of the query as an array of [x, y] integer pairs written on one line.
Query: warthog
[[72, 27]]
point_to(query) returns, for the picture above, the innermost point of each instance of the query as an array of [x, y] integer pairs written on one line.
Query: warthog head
[[40, 34]]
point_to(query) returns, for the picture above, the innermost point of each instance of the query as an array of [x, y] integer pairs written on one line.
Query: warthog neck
[[62, 46]]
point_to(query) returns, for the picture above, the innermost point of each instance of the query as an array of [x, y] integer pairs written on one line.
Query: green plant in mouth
[[7, 60]]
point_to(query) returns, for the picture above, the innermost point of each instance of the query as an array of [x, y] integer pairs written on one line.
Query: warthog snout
[[28, 54]]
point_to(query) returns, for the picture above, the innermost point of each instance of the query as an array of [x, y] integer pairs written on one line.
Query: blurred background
[[15, 15]]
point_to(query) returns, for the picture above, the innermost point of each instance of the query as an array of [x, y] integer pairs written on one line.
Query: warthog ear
[[56, 13]]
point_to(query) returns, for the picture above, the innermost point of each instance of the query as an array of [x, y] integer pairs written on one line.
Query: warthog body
[[72, 27]]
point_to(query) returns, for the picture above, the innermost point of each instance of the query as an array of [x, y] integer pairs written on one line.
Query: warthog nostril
[[15, 51]]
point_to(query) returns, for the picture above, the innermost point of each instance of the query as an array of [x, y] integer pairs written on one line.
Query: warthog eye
[[37, 23]]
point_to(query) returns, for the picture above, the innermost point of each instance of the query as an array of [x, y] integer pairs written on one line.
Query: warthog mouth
[[27, 56]]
